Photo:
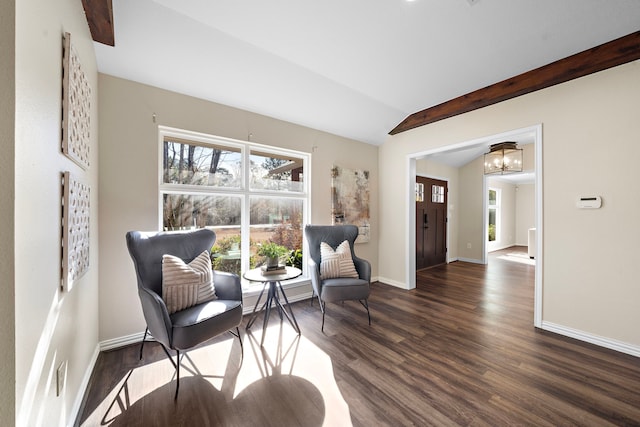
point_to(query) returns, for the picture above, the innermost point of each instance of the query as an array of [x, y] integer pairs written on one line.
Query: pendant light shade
[[503, 158]]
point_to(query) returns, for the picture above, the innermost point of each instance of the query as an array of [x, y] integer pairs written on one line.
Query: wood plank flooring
[[460, 349]]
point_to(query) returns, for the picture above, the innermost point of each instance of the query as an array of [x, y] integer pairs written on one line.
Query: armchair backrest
[[332, 235], [147, 248]]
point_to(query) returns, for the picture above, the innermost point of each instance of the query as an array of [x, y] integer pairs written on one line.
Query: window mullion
[[208, 181], [245, 230]]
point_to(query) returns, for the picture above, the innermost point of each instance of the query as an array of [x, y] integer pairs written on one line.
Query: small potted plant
[[272, 251]]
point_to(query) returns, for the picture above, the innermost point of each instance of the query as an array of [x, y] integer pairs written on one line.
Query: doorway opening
[[510, 211], [469, 242]]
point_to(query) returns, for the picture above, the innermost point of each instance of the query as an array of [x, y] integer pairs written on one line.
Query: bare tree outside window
[[193, 164], [203, 186]]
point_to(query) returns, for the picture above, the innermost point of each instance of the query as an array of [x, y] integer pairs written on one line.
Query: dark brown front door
[[431, 223]]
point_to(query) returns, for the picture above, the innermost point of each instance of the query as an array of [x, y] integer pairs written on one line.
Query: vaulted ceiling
[[358, 68]]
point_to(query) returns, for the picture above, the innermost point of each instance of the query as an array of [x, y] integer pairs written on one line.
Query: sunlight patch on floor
[[285, 355], [145, 379], [519, 257]]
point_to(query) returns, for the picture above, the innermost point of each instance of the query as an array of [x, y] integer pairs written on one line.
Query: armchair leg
[[323, 308], [177, 374], [241, 346], [237, 334], [146, 331], [365, 304], [313, 295], [176, 365]]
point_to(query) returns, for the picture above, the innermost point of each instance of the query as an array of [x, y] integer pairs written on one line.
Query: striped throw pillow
[[185, 285], [336, 263]]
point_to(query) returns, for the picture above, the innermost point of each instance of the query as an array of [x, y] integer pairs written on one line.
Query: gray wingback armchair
[[341, 288], [187, 328]]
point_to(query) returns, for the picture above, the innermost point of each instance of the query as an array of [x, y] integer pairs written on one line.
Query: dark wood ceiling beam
[[99, 15], [614, 53]]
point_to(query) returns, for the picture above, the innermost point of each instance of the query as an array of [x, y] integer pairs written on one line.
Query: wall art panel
[[75, 230], [76, 106], [350, 200]]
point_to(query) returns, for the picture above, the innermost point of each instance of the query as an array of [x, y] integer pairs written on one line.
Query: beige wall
[[589, 277], [470, 245], [129, 164], [7, 231], [51, 326], [525, 212]]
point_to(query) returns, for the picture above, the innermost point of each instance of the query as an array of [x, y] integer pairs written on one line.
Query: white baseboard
[[502, 247], [609, 343], [75, 410], [121, 341], [300, 297], [392, 282], [471, 260], [248, 305]]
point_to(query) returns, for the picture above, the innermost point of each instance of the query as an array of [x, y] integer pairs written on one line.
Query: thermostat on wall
[[589, 202]]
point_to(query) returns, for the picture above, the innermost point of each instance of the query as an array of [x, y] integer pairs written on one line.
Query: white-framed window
[[493, 225], [247, 193]]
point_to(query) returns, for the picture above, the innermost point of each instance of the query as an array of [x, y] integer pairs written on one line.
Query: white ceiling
[[354, 68]]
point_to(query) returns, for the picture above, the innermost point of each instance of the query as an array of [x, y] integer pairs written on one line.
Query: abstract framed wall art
[[75, 230], [76, 106], [350, 200]]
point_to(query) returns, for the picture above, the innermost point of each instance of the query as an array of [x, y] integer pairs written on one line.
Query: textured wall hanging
[[75, 230], [350, 199], [76, 105]]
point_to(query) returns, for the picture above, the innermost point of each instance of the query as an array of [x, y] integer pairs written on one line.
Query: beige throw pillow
[[336, 263], [185, 285]]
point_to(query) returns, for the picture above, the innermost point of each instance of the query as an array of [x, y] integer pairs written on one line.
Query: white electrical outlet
[[468, 245], [61, 377]]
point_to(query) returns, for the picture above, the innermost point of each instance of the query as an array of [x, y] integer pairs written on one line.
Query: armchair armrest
[[156, 315], [314, 272], [227, 285], [363, 267]]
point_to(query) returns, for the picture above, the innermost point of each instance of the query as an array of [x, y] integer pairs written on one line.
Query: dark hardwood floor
[[460, 349]]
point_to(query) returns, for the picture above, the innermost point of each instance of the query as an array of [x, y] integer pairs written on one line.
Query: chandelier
[[503, 157]]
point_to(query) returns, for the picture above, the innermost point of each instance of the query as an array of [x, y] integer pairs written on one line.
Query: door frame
[[446, 259], [492, 246], [410, 263]]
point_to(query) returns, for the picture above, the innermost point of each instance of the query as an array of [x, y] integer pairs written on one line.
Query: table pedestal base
[[273, 297]]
